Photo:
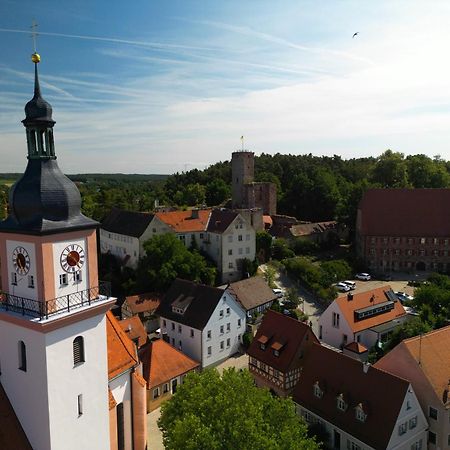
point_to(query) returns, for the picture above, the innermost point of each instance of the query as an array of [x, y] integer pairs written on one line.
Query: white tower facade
[[53, 344]]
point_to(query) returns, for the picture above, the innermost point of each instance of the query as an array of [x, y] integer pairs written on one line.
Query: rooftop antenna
[[34, 33], [242, 142]]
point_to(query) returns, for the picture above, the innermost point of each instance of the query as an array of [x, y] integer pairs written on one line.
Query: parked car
[[362, 276], [350, 284], [278, 292], [404, 297], [342, 287]]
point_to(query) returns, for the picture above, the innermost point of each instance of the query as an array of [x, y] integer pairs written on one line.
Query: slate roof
[[252, 292], [12, 436], [220, 220], [122, 353], [203, 301], [362, 300], [128, 223], [405, 212], [134, 330], [162, 362], [186, 221], [278, 328], [339, 374]]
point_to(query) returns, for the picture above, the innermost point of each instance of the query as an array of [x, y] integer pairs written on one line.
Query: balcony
[[49, 308]]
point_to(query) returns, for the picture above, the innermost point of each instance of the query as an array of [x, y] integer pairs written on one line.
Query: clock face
[[72, 258], [21, 260]]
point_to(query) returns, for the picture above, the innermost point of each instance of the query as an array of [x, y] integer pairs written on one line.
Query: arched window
[[78, 350], [22, 356]]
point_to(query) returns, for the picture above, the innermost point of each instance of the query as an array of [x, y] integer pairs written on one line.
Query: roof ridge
[[429, 333]]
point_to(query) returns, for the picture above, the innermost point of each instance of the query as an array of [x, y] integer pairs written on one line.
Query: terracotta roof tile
[[278, 328], [252, 292], [134, 330], [363, 300], [186, 221], [433, 349], [356, 347], [162, 362], [143, 302], [12, 436], [338, 374], [140, 379], [111, 400], [121, 350], [405, 212]]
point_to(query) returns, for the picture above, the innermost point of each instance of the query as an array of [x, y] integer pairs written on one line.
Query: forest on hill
[[308, 187]]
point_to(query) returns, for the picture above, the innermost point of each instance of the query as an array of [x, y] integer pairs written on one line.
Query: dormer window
[[263, 342], [340, 403], [317, 390], [360, 414], [277, 347], [181, 304]]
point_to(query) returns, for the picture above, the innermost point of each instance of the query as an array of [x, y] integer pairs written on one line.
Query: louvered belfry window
[[78, 350]]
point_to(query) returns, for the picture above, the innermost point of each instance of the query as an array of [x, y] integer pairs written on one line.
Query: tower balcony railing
[[43, 309]]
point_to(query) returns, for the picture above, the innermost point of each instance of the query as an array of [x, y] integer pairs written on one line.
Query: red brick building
[[404, 230]]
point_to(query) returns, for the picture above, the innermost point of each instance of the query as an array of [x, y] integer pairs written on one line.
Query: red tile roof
[[366, 299], [162, 362], [12, 436], [433, 351], [111, 400], [142, 302], [277, 329], [356, 347], [134, 330], [405, 212], [121, 350], [186, 221], [338, 374]]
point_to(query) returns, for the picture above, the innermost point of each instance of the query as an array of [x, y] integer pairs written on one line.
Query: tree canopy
[[213, 412]]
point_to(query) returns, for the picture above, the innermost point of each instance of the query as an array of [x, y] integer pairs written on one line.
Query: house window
[[182, 238], [431, 437], [228, 311], [240, 238], [433, 413], [221, 313], [78, 350], [262, 366], [14, 278], [179, 328], [445, 241], [228, 327], [173, 326], [201, 235], [31, 281], [373, 240], [423, 240], [77, 277], [230, 265], [120, 427], [209, 351], [435, 241], [221, 329], [341, 403], [22, 356], [80, 405], [418, 445], [165, 388], [173, 342], [402, 428], [222, 343], [208, 334], [372, 251], [247, 250], [360, 414], [240, 251], [408, 405], [335, 320], [230, 251], [239, 323], [228, 342], [164, 323], [192, 333], [155, 393], [180, 345], [317, 391], [230, 238], [413, 422], [352, 446], [63, 279]]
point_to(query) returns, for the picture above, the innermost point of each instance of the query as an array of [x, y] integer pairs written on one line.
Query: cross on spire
[[34, 33]]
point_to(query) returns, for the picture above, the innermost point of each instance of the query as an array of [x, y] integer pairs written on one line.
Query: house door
[[174, 385], [337, 439]]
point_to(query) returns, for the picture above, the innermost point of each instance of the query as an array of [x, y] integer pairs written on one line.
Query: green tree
[[166, 258], [263, 245], [390, 170], [269, 275], [281, 249], [213, 412], [217, 191]]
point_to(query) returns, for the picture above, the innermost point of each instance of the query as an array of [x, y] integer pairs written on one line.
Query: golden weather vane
[[35, 56]]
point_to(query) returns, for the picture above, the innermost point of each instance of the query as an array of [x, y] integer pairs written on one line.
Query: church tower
[[53, 346]]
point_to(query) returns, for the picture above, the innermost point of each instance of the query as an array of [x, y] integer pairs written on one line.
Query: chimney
[[366, 366], [194, 213], [349, 296]]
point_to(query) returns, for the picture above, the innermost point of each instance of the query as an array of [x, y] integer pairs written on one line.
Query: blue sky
[[165, 86]]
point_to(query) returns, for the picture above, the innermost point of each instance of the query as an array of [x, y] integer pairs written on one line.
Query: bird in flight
[[355, 34]]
